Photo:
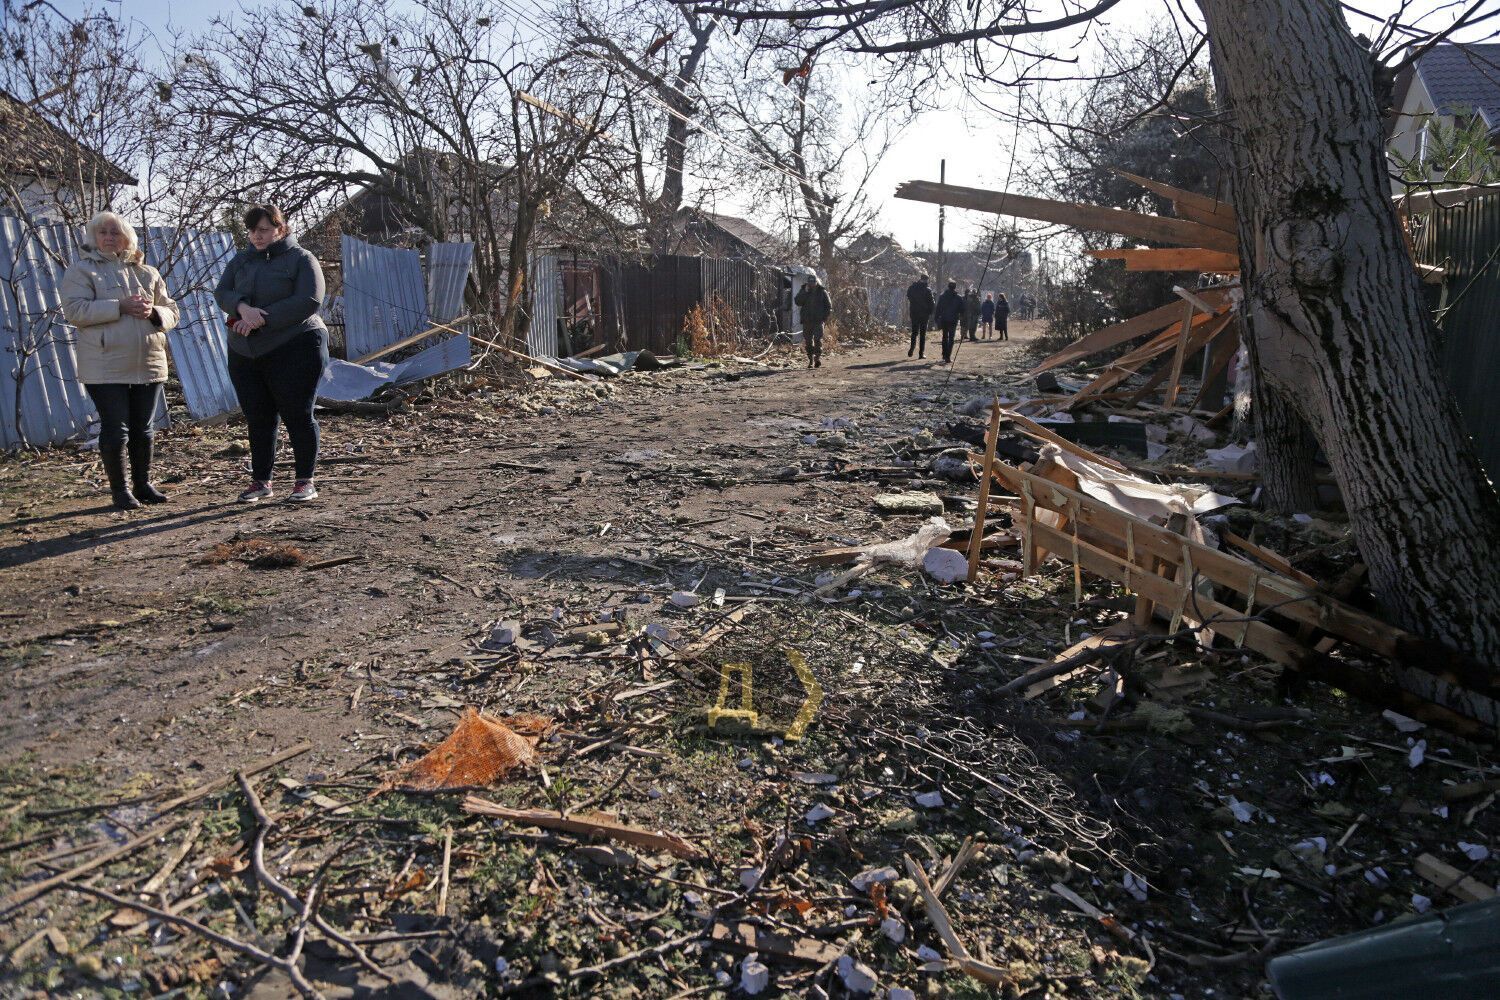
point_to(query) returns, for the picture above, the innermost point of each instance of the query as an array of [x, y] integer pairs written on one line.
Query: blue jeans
[[281, 387]]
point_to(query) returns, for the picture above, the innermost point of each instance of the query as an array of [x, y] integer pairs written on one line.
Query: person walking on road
[[816, 307], [271, 292], [950, 309], [971, 314], [122, 311], [987, 317], [919, 302], [1002, 317]]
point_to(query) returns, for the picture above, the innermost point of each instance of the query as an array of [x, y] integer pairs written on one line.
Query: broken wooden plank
[[1047, 678], [1450, 880], [539, 362], [1172, 259], [1293, 599], [415, 338], [596, 825], [1274, 560], [1203, 207], [27, 893], [1118, 333], [1131, 363], [1181, 353], [1033, 429], [1221, 351], [747, 938], [938, 917], [1136, 225], [976, 538]]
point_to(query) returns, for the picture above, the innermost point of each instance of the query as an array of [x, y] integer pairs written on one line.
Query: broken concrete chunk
[[925, 504], [754, 976], [945, 565], [871, 876], [683, 599], [858, 978], [930, 800]]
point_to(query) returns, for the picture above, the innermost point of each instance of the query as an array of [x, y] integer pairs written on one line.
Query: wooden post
[[1178, 356], [986, 474]]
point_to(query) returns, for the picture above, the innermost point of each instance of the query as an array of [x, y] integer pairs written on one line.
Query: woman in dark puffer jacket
[[278, 347]]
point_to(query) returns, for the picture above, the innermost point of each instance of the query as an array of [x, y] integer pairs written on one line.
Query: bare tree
[[470, 125], [1333, 302], [668, 64]]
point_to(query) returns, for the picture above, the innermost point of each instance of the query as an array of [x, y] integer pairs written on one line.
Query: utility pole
[[942, 270]]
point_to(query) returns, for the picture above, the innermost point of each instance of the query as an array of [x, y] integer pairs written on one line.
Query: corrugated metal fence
[[191, 263], [1465, 241], [42, 401], [447, 273], [546, 306], [385, 298]]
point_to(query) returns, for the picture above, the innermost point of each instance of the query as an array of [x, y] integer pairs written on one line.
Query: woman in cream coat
[[122, 311]]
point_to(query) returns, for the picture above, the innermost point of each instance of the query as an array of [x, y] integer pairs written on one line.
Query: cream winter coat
[[111, 346]]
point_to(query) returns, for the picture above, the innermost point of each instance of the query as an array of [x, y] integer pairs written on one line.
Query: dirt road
[[126, 646], [604, 556]]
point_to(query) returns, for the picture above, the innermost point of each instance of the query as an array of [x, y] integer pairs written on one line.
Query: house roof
[[746, 232], [881, 256], [34, 147], [1463, 77]]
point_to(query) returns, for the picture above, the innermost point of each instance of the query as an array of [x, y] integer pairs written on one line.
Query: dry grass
[[257, 553]]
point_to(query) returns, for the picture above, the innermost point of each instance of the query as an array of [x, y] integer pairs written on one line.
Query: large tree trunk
[[1340, 327]]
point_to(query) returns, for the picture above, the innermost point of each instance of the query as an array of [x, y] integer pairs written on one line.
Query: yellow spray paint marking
[[814, 696], [746, 711]]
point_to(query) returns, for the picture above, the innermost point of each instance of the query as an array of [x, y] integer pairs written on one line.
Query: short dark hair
[[256, 214]]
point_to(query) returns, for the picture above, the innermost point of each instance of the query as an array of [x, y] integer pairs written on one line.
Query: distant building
[[1450, 84], [48, 173]]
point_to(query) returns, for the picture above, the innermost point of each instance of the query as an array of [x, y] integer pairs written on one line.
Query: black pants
[[280, 388], [1003, 327], [812, 339], [125, 411], [948, 331], [918, 334]]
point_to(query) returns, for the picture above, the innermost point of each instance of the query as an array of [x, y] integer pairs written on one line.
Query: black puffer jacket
[[284, 280], [950, 307]]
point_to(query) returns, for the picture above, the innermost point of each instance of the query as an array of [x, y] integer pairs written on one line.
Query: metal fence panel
[[447, 273], [42, 401], [385, 298], [546, 303], [191, 263], [1465, 240]]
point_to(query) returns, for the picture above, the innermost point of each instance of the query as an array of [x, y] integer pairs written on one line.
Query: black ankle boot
[[140, 472], [113, 458]]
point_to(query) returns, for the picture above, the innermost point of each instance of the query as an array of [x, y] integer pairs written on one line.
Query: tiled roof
[[34, 147], [1464, 77]]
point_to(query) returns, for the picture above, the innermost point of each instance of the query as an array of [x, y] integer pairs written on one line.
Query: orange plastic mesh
[[479, 751]]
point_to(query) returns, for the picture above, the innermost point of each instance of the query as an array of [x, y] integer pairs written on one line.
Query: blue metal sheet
[[385, 299], [447, 273], [191, 263], [345, 380], [41, 399]]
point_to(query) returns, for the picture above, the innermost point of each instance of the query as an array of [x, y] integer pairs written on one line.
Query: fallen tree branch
[[264, 824], [223, 940]]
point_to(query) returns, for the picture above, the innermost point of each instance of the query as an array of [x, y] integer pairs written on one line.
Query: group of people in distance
[[270, 293], [980, 320]]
